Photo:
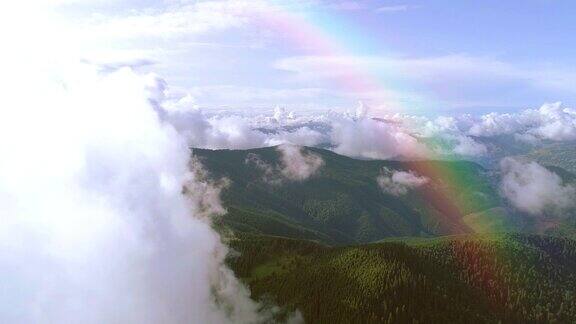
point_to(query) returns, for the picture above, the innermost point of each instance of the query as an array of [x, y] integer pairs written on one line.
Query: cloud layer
[[360, 134]]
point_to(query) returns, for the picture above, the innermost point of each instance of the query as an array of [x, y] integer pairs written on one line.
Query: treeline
[[505, 278]]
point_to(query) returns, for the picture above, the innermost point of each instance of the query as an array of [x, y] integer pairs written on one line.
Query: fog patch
[[398, 183]]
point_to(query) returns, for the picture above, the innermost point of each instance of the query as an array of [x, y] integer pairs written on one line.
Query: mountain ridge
[[342, 203]]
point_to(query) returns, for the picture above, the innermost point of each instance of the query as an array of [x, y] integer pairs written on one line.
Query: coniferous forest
[[512, 278], [338, 249]]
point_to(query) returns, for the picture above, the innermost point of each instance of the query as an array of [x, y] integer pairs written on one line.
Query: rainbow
[[331, 36], [333, 41]]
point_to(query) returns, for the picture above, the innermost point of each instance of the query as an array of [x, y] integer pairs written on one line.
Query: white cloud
[[301, 136], [236, 132], [176, 35], [361, 110], [398, 183], [396, 8], [469, 147], [494, 124], [357, 134], [364, 137], [256, 97], [369, 138], [172, 21], [94, 225], [459, 80], [554, 122], [534, 189], [218, 132], [346, 5], [297, 164], [550, 121], [204, 192]]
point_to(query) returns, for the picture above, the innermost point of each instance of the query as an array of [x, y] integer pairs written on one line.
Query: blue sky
[[430, 57]]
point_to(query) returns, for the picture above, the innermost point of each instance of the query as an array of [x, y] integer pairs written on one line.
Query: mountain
[[549, 153], [338, 248], [505, 278], [342, 203], [560, 155]]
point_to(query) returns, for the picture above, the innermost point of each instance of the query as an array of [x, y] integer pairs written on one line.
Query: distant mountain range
[[549, 153]]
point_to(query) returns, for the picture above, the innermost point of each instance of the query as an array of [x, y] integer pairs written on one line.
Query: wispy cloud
[[172, 21], [259, 97], [347, 5], [458, 80], [396, 8]]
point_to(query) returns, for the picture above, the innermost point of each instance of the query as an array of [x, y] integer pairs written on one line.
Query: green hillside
[[561, 155], [339, 249], [343, 204], [463, 279]]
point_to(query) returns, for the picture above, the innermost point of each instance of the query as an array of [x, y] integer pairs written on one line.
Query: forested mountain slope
[[339, 249], [464, 279], [343, 204]]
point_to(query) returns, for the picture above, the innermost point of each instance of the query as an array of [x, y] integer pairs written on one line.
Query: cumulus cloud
[[469, 147], [494, 124], [376, 139], [353, 135], [534, 189], [230, 131], [551, 121], [398, 183], [237, 132], [358, 134], [95, 227]]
